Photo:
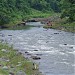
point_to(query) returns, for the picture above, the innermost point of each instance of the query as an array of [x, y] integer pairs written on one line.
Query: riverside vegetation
[[12, 62], [62, 24], [66, 21], [13, 12]]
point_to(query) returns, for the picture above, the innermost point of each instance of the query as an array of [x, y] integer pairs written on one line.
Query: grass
[[40, 14], [62, 24], [18, 19], [16, 62]]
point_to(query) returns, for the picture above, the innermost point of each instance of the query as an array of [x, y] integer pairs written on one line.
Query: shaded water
[[56, 48]]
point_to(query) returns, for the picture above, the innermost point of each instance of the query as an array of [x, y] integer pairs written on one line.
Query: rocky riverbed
[[53, 50]]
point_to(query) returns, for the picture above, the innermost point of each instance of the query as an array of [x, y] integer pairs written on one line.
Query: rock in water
[[35, 50], [56, 33], [35, 57]]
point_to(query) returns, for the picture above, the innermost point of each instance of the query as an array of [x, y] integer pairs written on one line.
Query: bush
[[4, 19]]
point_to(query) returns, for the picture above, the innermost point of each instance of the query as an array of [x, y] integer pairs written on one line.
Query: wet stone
[[39, 54], [71, 47], [2, 35], [5, 59], [1, 65], [10, 73], [5, 68], [26, 52], [19, 64], [1, 40], [65, 44], [35, 50], [20, 73], [63, 51], [4, 50], [9, 35], [0, 59], [56, 33], [35, 57], [47, 41]]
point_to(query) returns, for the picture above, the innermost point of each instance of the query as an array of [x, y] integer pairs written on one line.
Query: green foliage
[[4, 19], [11, 10], [16, 10], [45, 5], [16, 62], [68, 7]]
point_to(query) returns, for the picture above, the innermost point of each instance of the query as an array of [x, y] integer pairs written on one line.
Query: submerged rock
[[9, 35], [26, 52], [35, 50], [7, 60], [71, 47], [39, 54], [35, 57], [65, 44], [56, 33], [2, 35]]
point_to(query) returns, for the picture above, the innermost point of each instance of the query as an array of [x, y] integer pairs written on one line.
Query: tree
[[68, 7], [4, 19]]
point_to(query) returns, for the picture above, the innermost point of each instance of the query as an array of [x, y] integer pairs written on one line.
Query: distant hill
[[17, 10], [11, 10]]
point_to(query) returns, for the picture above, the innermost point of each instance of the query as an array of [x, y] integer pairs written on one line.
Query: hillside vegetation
[[14, 11]]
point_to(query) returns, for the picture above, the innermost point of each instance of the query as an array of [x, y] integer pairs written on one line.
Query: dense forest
[[15, 10]]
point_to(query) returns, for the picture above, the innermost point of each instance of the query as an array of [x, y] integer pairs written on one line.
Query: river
[[56, 48]]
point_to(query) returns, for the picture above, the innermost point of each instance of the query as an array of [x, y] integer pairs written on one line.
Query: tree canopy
[[18, 9], [68, 9]]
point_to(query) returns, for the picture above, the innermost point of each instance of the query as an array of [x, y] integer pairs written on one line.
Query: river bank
[[13, 62], [62, 24], [58, 24]]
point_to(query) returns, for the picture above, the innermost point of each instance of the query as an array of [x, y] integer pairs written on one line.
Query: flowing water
[[56, 48]]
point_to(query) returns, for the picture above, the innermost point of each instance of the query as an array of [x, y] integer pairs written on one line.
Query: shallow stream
[[56, 48]]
